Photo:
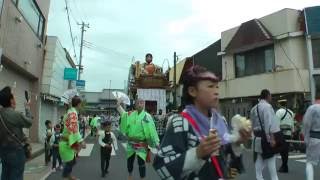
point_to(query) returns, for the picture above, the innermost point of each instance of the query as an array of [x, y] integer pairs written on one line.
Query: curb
[[37, 153]]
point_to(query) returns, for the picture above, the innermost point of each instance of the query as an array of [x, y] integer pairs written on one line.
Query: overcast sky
[[123, 29]]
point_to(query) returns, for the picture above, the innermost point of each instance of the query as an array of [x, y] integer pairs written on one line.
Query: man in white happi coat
[[311, 131], [270, 125], [286, 119]]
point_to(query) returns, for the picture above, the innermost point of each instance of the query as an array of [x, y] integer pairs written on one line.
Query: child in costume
[[107, 141]]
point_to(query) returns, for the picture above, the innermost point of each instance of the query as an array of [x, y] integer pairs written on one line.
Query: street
[[88, 166]]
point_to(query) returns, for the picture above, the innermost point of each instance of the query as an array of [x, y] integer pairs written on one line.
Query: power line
[[104, 49], [80, 10], [70, 29], [73, 17], [295, 67]]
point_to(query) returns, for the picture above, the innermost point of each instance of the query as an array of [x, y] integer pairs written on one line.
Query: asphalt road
[[88, 166]]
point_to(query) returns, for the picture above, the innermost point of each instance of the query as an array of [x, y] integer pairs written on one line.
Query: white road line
[[113, 152], [295, 156], [87, 151], [124, 145], [302, 160], [46, 175]]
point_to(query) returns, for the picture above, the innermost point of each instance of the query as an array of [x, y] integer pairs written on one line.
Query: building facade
[[100, 102], [53, 84], [265, 53], [208, 57], [22, 39]]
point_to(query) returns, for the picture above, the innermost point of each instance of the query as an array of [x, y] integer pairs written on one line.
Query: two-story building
[[265, 53], [22, 36]]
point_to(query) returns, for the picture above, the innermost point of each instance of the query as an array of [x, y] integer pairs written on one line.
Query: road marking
[[153, 150], [113, 152], [295, 156], [302, 160], [87, 151], [124, 145], [46, 175]]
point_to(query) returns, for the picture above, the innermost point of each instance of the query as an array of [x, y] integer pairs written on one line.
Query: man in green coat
[[94, 125], [141, 132]]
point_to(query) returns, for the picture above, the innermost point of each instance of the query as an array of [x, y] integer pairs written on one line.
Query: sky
[[123, 31]]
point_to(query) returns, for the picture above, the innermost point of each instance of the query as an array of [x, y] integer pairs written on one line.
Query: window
[[1, 6], [316, 52], [32, 15], [317, 82], [255, 62]]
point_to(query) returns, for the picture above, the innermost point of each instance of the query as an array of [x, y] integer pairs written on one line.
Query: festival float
[[148, 82]]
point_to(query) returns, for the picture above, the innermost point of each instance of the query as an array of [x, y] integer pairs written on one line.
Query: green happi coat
[[71, 135], [141, 127], [94, 122]]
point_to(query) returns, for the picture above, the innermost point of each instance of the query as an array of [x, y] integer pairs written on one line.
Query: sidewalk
[[36, 169]]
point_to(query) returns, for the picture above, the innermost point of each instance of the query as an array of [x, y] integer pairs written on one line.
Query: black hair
[[58, 126], [6, 96], [47, 122], [107, 123], [265, 93], [191, 78], [149, 54], [75, 101]]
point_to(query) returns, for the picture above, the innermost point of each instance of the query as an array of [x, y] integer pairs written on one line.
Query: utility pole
[[83, 26], [174, 80], [110, 95]]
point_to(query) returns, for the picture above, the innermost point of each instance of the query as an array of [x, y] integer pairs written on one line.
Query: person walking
[[47, 140], [285, 117], [71, 140], [55, 140], [311, 131], [141, 132], [108, 143], [192, 145], [264, 121]]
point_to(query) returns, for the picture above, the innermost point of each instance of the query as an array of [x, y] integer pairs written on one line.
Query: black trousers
[[47, 153], [285, 153], [67, 169], [105, 159], [55, 157], [141, 163]]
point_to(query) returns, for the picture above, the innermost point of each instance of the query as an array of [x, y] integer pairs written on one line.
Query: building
[[312, 31], [22, 39], [207, 57], [100, 102], [269, 52], [53, 84]]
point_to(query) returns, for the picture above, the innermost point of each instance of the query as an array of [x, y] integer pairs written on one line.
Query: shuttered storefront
[[48, 111], [19, 85]]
